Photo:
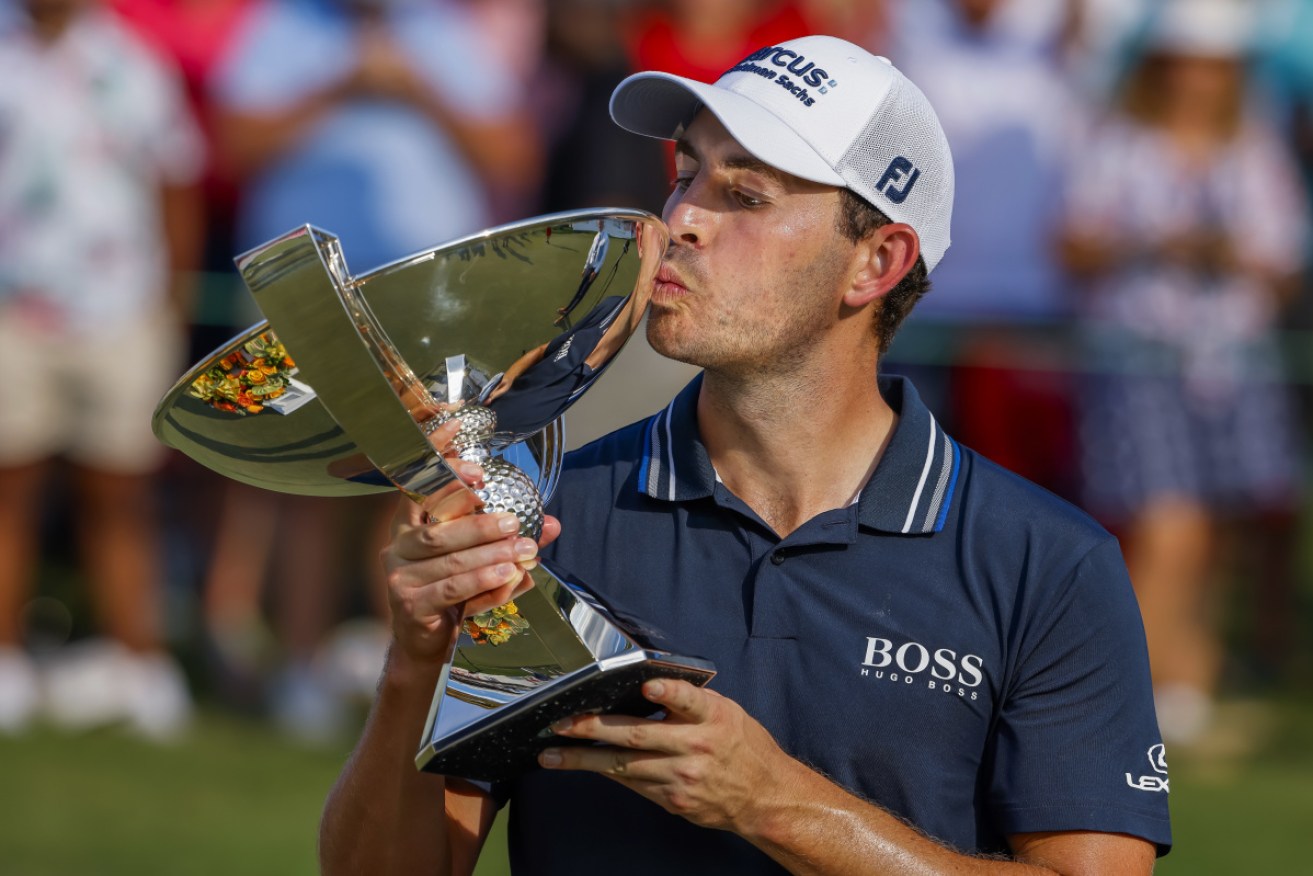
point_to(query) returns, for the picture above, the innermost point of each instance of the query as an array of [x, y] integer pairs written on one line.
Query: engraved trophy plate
[[337, 392]]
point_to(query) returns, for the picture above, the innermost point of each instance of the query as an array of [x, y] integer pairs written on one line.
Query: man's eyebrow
[[737, 162], [755, 165]]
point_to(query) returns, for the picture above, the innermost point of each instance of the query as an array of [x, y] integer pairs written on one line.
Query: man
[[926, 664]]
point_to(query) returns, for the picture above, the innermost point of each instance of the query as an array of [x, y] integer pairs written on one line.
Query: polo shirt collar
[[675, 465], [909, 493], [912, 487]]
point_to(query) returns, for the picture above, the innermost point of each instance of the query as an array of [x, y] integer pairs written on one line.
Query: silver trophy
[[339, 391]]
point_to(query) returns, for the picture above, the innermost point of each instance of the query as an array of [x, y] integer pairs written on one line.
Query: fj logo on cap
[[893, 174]]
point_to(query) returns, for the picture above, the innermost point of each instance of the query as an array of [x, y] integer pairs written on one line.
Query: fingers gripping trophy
[[474, 349]]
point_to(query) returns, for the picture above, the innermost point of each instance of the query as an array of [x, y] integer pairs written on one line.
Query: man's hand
[[445, 562], [708, 760], [711, 763]]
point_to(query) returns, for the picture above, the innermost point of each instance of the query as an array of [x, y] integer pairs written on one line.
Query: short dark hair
[[857, 219]]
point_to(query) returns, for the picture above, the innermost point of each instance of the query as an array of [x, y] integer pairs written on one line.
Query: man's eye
[[748, 200], [680, 182]]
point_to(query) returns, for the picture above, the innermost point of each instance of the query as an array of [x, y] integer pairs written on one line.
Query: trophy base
[[508, 743]]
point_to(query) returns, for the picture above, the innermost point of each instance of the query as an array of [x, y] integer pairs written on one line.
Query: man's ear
[[881, 261]]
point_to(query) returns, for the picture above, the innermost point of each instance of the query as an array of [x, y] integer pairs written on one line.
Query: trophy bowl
[[339, 391]]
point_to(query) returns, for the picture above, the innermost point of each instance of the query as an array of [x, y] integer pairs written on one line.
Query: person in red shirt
[[703, 38]]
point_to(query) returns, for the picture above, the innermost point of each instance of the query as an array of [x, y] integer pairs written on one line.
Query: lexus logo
[[1158, 758], [1158, 761]]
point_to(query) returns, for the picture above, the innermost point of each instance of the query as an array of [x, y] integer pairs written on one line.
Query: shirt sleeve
[[1076, 744]]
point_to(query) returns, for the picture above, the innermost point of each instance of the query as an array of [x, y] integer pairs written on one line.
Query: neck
[[794, 446]]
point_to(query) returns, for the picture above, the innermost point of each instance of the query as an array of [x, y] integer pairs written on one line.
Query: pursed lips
[[668, 285]]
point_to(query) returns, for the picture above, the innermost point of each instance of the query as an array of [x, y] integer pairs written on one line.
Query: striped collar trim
[[676, 466], [914, 483], [910, 492]]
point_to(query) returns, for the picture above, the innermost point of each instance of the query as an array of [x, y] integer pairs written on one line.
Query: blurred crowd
[[1117, 319]]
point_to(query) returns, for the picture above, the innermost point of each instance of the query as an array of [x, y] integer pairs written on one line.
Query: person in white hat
[[925, 664], [1188, 230]]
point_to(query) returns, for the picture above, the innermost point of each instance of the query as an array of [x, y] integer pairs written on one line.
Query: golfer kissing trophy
[[339, 391]]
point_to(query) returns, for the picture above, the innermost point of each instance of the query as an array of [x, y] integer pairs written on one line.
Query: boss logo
[[941, 670]]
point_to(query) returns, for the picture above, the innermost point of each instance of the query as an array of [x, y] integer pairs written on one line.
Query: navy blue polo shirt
[[958, 646]]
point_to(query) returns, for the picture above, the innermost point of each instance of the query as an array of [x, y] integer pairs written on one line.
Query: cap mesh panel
[[904, 125]]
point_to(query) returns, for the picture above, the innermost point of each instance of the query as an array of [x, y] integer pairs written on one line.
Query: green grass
[[231, 799], [1243, 802], [234, 798]]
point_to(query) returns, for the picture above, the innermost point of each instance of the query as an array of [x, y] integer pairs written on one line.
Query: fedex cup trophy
[[338, 392]]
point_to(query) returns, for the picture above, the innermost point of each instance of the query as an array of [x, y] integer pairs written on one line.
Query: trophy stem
[[505, 486]]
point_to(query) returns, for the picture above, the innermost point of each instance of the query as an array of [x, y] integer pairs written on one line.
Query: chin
[[664, 347], [665, 338]]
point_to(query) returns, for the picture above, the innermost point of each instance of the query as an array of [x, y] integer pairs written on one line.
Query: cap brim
[[660, 104]]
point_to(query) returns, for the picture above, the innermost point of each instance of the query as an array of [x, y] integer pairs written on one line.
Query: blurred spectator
[[98, 216], [1185, 214], [294, 556], [513, 34], [1289, 66], [1102, 41], [593, 44], [993, 69], [592, 161], [1288, 69], [1287, 45], [394, 126], [197, 35], [702, 39], [513, 31], [864, 22], [382, 122]]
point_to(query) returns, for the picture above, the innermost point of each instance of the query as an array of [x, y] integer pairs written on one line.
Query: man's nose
[[686, 216]]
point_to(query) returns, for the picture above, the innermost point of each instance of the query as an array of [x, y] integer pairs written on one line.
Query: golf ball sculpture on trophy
[[340, 391]]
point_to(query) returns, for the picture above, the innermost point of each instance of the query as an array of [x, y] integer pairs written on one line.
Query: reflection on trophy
[[341, 389]]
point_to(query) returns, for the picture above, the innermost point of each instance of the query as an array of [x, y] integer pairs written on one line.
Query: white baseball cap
[[1203, 28], [822, 109]]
